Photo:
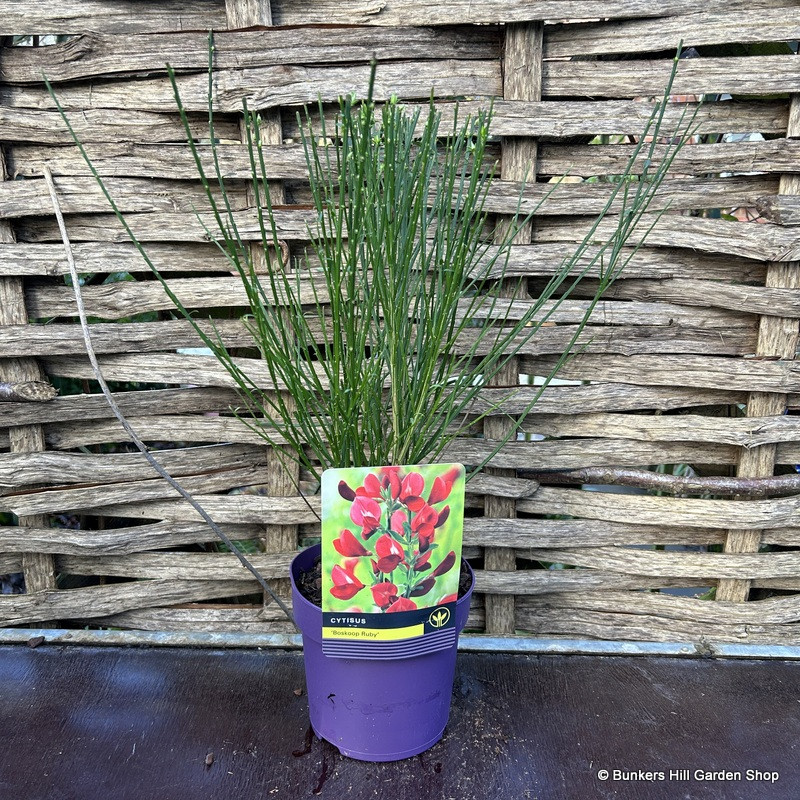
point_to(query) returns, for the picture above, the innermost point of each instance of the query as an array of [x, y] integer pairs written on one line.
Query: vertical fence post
[[777, 337], [522, 80], [38, 568], [279, 481]]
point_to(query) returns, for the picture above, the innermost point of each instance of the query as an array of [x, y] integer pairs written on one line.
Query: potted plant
[[380, 342], [387, 699]]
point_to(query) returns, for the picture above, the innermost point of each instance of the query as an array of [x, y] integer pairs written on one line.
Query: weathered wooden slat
[[625, 627], [19, 469], [117, 541], [98, 601], [127, 298], [672, 370], [37, 567], [541, 456], [56, 500], [260, 619], [780, 209], [775, 155], [290, 222], [523, 534], [655, 563], [743, 432], [554, 119], [623, 339], [102, 125], [681, 334], [735, 75], [522, 80], [120, 300], [155, 428], [698, 513], [240, 508], [607, 312], [280, 477], [591, 198], [692, 370], [778, 337], [566, 454], [554, 400], [123, 338], [628, 340], [542, 581], [75, 16], [784, 584], [768, 301], [762, 242], [694, 29], [178, 566], [404, 12], [108, 16], [287, 162], [520, 534], [28, 260], [173, 161], [772, 611], [651, 563], [602, 397], [551, 119], [270, 87], [81, 195], [94, 55], [537, 260], [94, 406]]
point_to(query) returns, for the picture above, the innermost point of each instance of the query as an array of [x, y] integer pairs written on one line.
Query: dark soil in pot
[[310, 583]]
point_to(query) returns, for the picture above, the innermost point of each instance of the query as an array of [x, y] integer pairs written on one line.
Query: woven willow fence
[[688, 366]]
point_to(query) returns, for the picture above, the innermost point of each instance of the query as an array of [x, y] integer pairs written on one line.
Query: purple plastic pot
[[374, 710]]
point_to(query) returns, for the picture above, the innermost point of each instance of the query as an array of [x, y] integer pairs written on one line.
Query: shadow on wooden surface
[[155, 724]]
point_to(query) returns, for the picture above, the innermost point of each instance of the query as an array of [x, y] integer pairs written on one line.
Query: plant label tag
[[391, 558]]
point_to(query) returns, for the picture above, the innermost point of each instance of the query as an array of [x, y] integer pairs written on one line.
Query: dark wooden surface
[[78, 723]]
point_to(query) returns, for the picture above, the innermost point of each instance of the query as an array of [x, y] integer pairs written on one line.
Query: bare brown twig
[[26, 392], [775, 486]]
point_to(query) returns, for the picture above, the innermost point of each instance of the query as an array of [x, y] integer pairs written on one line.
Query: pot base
[[354, 754]]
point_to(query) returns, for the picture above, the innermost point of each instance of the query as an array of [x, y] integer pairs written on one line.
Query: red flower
[[393, 478], [442, 518], [384, 594], [411, 491], [349, 546], [398, 519], [423, 525], [346, 492], [445, 565], [390, 552], [421, 561], [423, 588], [367, 513], [346, 585], [371, 488], [402, 604], [443, 485]]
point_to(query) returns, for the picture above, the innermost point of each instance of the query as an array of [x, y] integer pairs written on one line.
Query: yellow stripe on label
[[373, 634]]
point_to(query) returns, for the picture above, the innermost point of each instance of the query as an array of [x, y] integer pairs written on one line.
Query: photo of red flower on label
[[391, 537]]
